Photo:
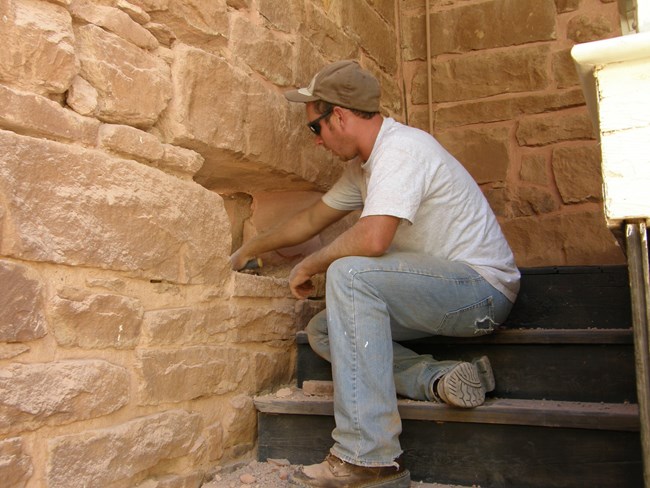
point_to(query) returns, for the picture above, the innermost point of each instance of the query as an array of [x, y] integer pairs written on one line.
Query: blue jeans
[[372, 302]]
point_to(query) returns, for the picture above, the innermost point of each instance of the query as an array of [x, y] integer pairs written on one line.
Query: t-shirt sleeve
[[346, 192], [396, 187]]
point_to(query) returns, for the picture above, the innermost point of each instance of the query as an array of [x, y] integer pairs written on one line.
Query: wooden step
[[504, 443], [573, 297], [540, 413], [588, 365]]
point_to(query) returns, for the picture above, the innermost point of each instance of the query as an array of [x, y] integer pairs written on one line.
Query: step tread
[[542, 413], [528, 336]]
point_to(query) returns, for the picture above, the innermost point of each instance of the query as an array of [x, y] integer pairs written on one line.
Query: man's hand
[[238, 259], [300, 282]]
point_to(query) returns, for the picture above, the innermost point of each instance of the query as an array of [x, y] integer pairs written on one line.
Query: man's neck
[[368, 136]]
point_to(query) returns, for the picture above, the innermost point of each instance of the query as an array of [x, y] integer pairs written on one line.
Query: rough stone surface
[[59, 392], [38, 46], [534, 169], [37, 116], [121, 72], [272, 368], [178, 160], [549, 128], [577, 173], [468, 27], [530, 237], [105, 456], [239, 421], [15, 466], [96, 321], [22, 312], [82, 97], [173, 481], [485, 153], [583, 28], [130, 142], [113, 20], [506, 107], [157, 225], [262, 324], [514, 70], [187, 325], [188, 373]]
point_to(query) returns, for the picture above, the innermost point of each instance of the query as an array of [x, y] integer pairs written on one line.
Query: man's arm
[[296, 230], [370, 236]]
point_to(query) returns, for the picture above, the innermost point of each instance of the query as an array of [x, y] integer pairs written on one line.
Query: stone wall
[[141, 140], [508, 103], [129, 352]]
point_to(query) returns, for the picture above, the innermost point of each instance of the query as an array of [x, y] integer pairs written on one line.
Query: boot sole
[[462, 386], [403, 481]]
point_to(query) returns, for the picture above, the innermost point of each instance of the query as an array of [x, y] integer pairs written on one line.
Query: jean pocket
[[474, 320]]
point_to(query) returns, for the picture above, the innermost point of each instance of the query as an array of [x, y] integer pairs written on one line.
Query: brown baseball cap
[[343, 83]]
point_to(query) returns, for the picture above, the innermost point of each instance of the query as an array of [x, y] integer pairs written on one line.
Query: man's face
[[331, 135]]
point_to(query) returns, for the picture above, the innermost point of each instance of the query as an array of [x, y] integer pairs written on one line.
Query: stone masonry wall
[[508, 103], [141, 140], [129, 352]]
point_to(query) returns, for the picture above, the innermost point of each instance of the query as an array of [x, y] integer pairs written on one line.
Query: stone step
[[504, 443]]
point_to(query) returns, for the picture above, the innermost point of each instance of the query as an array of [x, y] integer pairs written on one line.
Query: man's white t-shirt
[[444, 213]]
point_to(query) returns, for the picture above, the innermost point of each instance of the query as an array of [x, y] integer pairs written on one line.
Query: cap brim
[[302, 95]]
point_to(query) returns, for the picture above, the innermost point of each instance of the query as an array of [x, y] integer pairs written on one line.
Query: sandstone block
[[577, 173], [60, 392], [246, 285], [484, 152], [82, 97], [121, 72], [15, 465], [583, 28], [240, 421], [182, 326], [465, 78], [379, 38], [532, 200], [135, 12], [189, 373], [285, 16], [64, 204], [505, 108], [115, 21], [264, 52], [200, 23], [22, 313], [163, 34], [534, 169], [305, 311], [105, 456], [551, 128], [38, 52], [272, 369], [567, 5], [471, 27], [96, 321], [38, 116], [178, 160], [130, 142], [320, 33], [234, 161], [579, 239], [8, 351], [264, 323], [564, 69]]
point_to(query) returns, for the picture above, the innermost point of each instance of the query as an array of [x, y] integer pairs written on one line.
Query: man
[[426, 257]]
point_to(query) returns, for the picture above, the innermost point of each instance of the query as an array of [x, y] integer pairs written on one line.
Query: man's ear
[[340, 115]]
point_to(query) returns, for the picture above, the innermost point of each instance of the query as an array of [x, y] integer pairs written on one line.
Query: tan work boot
[[465, 384], [336, 473]]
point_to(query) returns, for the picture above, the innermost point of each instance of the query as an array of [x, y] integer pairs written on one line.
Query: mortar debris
[[274, 473]]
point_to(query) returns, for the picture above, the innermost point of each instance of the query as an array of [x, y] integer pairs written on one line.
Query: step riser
[[583, 373], [492, 456]]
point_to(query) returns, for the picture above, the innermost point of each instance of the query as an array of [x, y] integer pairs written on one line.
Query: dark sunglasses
[[314, 125]]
